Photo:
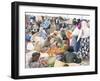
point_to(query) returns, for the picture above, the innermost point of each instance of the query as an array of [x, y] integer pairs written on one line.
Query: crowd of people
[[56, 41]]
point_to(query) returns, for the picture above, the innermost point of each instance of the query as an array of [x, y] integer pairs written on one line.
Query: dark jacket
[[70, 57]]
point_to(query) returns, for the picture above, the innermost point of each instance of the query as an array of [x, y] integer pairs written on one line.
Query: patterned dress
[[84, 48]]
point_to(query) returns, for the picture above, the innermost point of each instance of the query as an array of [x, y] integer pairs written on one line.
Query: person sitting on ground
[[71, 57], [36, 61]]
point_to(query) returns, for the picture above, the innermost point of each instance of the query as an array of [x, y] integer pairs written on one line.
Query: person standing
[[84, 37]]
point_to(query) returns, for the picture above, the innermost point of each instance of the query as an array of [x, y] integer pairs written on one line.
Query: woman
[[74, 43], [84, 36]]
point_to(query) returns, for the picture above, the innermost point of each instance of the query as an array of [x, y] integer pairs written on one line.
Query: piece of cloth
[[27, 37], [30, 46], [42, 33], [75, 44], [75, 31], [84, 48], [46, 23]]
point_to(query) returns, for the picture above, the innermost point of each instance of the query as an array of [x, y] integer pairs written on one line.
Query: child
[[33, 63], [36, 61]]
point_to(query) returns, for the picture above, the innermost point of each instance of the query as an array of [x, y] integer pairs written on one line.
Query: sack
[[59, 63]]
